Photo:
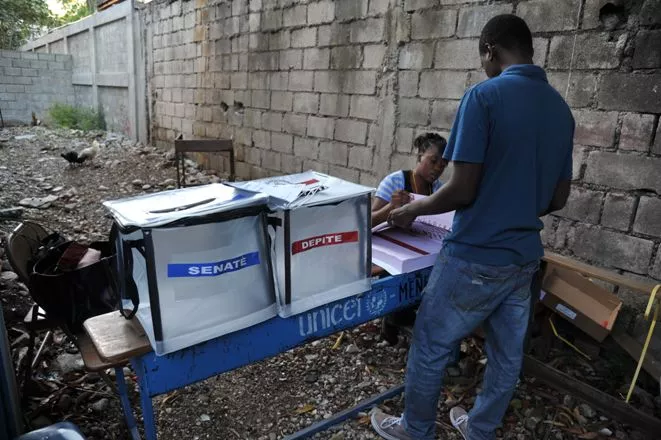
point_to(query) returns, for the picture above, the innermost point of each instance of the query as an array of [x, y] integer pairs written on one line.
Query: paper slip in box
[[580, 301]]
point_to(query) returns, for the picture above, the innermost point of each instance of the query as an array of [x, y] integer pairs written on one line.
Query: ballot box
[[320, 228], [194, 263]]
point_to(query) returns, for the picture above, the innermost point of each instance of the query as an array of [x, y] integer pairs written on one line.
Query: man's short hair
[[509, 32]]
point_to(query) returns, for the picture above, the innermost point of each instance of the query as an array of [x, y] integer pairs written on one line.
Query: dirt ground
[[266, 400]]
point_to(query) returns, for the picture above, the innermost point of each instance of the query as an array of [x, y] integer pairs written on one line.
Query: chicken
[[88, 153]]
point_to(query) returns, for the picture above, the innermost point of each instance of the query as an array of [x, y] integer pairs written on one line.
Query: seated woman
[[394, 191]]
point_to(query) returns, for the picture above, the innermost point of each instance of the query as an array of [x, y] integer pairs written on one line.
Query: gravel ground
[[266, 400]]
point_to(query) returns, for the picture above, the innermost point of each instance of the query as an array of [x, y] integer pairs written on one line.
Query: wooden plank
[[203, 146], [634, 348], [598, 273], [115, 338], [615, 408], [90, 355]]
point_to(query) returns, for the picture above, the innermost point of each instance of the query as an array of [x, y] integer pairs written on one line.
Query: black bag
[[73, 296]]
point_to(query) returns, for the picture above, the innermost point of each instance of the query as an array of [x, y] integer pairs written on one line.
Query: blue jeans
[[459, 297]]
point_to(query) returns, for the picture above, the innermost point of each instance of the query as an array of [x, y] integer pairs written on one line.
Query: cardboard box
[[580, 301]]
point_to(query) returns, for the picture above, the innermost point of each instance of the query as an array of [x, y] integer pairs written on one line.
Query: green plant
[[20, 19], [74, 10], [80, 118]]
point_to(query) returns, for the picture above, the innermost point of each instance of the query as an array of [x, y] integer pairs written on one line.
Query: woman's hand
[[400, 198], [401, 217]]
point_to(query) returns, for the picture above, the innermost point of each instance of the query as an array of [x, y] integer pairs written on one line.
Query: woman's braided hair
[[426, 141]]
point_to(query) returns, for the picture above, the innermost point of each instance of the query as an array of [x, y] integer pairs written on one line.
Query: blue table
[[161, 374]]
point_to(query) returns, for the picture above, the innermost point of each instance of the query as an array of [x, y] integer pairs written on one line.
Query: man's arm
[[458, 193], [560, 196]]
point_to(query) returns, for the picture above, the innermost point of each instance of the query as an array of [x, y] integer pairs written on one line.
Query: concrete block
[[345, 57], [342, 172], [630, 92], [472, 19], [12, 71], [316, 59], [650, 13], [255, 5], [271, 20], [272, 121], [291, 164], [368, 31], [595, 128], [350, 9], [295, 124], [412, 5], [612, 249], [239, 80], [433, 24], [404, 139], [361, 157], [623, 171], [314, 165], [546, 16], [373, 56], [29, 72], [378, 7], [258, 80], [332, 104], [301, 81], [403, 161], [291, 59], [360, 82], [321, 12], [583, 205], [351, 131], [280, 40], [306, 102], [271, 160], [414, 111], [334, 152], [334, 34], [282, 101], [647, 54], [306, 147], [29, 55], [636, 133], [321, 127], [279, 80], [618, 211], [656, 148], [364, 107], [258, 42], [582, 87], [416, 56], [443, 113], [295, 16], [252, 118], [306, 37], [253, 156], [591, 51], [408, 83], [457, 54], [282, 142], [647, 217], [442, 84]]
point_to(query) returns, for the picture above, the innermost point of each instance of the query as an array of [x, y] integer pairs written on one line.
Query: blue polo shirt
[[522, 131]]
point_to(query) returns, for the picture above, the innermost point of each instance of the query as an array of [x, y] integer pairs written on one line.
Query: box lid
[[162, 208], [593, 302], [304, 189]]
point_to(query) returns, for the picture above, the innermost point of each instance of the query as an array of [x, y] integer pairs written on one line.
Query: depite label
[[324, 240], [213, 269]]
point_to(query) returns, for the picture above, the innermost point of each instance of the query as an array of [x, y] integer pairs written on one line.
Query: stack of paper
[[401, 251]]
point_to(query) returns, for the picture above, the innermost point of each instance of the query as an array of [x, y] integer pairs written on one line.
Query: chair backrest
[[22, 245], [182, 146]]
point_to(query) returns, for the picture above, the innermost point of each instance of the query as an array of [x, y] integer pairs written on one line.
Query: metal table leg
[[126, 404], [346, 414], [148, 419]]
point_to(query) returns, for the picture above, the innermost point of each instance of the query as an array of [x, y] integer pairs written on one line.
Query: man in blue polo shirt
[[511, 150]]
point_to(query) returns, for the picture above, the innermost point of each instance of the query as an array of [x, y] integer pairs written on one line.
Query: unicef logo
[[377, 302]]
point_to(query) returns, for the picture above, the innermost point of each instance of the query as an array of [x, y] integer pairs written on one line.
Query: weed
[[80, 118]]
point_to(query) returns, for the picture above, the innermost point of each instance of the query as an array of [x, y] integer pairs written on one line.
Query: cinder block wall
[[31, 82], [344, 86]]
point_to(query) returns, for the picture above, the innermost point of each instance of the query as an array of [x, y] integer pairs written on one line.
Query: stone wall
[[344, 86], [31, 82]]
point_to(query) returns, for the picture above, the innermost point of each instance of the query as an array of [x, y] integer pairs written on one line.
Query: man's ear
[[491, 52]]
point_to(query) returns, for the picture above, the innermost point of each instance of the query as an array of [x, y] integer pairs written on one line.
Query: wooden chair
[[181, 147]]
